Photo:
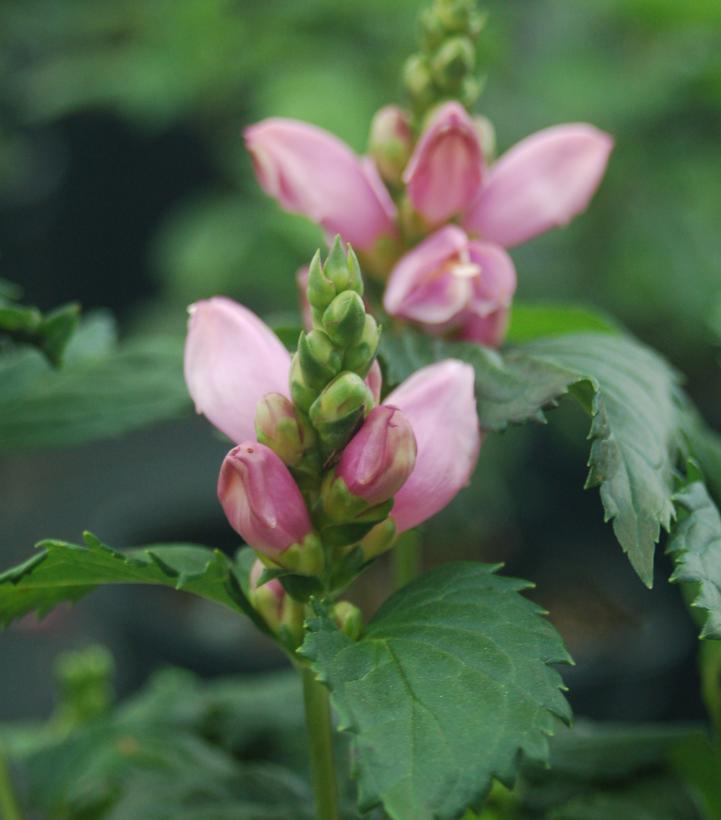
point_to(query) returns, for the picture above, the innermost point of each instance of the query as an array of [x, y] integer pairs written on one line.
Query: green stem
[[406, 559], [9, 807], [320, 742]]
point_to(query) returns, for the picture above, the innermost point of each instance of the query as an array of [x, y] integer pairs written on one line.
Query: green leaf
[[94, 396], [449, 683], [695, 546], [629, 391], [50, 333], [510, 386], [62, 572], [533, 321]]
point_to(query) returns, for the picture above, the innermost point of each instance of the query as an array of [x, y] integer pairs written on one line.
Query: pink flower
[[440, 405], [232, 359], [449, 283], [541, 183], [437, 401], [444, 174], [379, 458], [261, 500], [313, 173]]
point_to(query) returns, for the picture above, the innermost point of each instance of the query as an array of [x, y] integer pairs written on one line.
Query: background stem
[[406, 559], [320, 742], [9, 808]]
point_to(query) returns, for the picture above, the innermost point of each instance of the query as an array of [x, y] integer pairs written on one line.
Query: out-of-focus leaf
[[538, 320], [695, 546], [49, 333], [447, 687]]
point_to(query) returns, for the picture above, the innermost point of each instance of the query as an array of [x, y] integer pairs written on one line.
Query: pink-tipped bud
[[276, 426], [390, 142], [301, 278], [264, 505], [380, 457], [266, 598]]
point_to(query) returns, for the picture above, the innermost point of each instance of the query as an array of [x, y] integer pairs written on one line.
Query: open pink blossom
[[437, 401], [444, 173], [449, 283], [312, 172]]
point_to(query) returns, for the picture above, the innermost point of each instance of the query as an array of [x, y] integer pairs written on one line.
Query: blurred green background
[[124, 184]]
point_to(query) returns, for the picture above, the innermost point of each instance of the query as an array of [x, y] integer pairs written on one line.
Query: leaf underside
[[449, 685]]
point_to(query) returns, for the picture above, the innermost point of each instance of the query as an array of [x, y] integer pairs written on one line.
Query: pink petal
[[444, 174], [418, 268], [232, 359], [440, 405], [495, 287], [311, 172], [489, 330], [541, 183]]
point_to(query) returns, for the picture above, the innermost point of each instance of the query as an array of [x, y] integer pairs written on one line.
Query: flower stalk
[[320, 746]]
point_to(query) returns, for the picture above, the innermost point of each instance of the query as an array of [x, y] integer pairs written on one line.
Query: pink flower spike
[[378, 460], [311, 172], [232, 359], [261, 500], [440, 405], [541, 183], [445, 171]]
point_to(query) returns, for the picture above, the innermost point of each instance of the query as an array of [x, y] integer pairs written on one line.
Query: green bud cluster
[[445, 65], [328, 370]]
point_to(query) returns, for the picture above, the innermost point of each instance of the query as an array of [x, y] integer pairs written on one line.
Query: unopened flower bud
[[380, 539], [340, 408], [264, 505], [276, 426], [390, 142], [348, 618], [321, 290], [344, 319], [418, 80], [374, 465], [341, 267], [459, 16], [267, 599], [453, 61], [486, 135], [361, 356], [319, 360], [302, 394], [374, 380], [306, 311]]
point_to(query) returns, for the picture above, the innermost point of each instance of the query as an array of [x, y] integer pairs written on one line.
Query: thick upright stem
[[9, 808], [406, 559], [320, 743]]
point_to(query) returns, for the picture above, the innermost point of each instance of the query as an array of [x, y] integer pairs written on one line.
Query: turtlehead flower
[[378, 460], [255, 487], [313, 173], [261, 500], [449, 283]]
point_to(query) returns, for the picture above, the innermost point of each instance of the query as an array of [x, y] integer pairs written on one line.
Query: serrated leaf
[[695, 546], [537, 320], [510, 387], [93, 396], [630, 393], [448, 685], [62, 572]]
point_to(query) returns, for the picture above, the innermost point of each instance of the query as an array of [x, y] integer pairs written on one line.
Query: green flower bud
[[349, 619], [459, 16], [342, 268], [301, 393], [379, 539], [390, 142], [319, 360], [321, 290], [344, 319], [353, 532], [471, 89], [453, 61], [360, 357], [340, 408], [434, 32], [487, 136], [418, 80], [276, 426]]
